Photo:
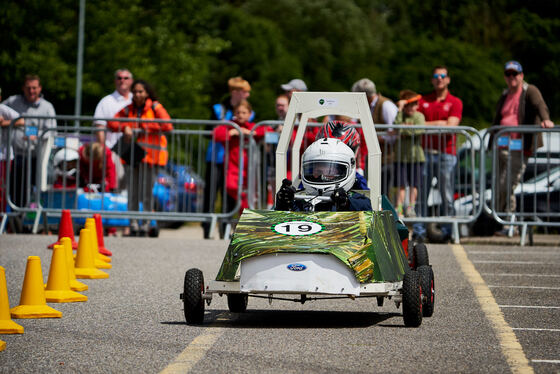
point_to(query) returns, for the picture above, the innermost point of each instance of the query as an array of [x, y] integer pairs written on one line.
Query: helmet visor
[[324, 172]]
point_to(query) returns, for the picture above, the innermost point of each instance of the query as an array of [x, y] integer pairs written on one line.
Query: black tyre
[[428, 290], [435, 234], [419, 255], [412, 299], [192, 297], [237, 303], [153, 232]]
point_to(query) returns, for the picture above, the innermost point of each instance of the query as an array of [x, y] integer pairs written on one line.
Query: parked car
[[178, 189], [539, 195]]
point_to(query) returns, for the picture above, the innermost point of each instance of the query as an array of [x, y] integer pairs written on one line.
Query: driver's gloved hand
[[340, 199], [285, 196]]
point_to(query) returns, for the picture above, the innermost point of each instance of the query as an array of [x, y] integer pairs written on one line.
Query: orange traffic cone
[[100, 261], [65, 229], [7, 326], [58, 285], [32, 303], [84, 265], [75, 285], [100, 242]]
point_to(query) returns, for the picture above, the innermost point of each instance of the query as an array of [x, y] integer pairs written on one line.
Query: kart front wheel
[[412, 299], [428, 289], [237, 303], [192, 297]]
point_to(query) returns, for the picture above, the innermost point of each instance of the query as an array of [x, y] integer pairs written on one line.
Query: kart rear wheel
[[419, 255], [192, 297], [237, 303], [428, 289], [412, 299]]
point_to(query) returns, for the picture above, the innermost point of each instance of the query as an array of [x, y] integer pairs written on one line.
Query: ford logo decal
[[296, 267]]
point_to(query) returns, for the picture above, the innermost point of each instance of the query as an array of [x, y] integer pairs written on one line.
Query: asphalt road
[[134, 322]]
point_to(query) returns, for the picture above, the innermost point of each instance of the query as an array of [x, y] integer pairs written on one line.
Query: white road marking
[[534, 329], [513, 253], [530, 306], [547, 361], [526, 287], [510, 262], [521, 275], [510, 346]]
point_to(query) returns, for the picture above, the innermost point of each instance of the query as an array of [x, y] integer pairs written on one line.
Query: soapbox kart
[[301, 256]]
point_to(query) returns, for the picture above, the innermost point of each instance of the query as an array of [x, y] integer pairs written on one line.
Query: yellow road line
[[194, 352], [510, 346]]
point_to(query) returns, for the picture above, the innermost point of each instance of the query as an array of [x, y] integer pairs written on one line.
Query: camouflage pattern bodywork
[[367, 242]]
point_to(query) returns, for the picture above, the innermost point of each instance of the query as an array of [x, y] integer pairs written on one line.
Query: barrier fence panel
[[156, 176], [525, 177], [436, 177]]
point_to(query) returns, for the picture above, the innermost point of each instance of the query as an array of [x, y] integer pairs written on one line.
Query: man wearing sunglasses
[[440, 108], [520, 104]]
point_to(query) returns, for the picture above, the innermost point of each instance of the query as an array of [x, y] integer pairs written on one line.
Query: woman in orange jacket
[[152, 141]]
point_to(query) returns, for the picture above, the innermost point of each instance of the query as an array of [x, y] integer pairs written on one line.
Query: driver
[[328, 169]]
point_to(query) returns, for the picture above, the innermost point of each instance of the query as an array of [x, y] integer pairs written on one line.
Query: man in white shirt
[[107, 108], [112, 104]]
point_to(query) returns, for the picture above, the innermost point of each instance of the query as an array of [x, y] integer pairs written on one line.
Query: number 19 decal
[[297, 228]]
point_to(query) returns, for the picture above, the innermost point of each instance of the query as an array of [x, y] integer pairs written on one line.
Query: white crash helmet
[[327, 164], [67, 169]]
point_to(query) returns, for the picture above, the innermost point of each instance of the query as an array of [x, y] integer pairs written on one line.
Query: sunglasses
[[122, 78], [511, 73], [436, 76]]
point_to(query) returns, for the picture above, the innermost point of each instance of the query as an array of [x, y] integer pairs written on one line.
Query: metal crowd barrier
[[525, 177], [35, 191], [192, 185]]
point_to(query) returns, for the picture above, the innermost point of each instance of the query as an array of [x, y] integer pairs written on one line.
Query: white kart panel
[[297, 273]]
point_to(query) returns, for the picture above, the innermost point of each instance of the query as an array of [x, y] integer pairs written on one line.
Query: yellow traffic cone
[[75, 284], [32, 303], [99, 260], [90, 224], [2, 345], [84, 265], [7, 326], [58, 285]]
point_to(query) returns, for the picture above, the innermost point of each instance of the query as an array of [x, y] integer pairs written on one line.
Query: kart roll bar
[[306, 105]]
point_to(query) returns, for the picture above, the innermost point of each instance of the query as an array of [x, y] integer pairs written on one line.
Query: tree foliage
[[189, 49]]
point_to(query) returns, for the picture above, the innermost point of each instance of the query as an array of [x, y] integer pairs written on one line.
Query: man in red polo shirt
[[440, 108]]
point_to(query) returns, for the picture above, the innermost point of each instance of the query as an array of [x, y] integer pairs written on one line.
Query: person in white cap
[[292, 86]]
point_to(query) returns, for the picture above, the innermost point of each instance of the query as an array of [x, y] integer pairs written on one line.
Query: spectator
[[239, 90], [25, 137], [226, 134], [7, 114], [282, 102], [293, 86], [409, 155], [107, 108], [92, 157], [520, 104], [383, 111], [440, 108], [153, 142]]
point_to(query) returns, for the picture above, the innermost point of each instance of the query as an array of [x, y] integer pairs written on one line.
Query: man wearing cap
[[520, 104], [384, 112], [239, 90], [292, 86]]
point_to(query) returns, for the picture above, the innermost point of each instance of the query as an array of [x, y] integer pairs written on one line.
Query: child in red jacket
[[229, 136]]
